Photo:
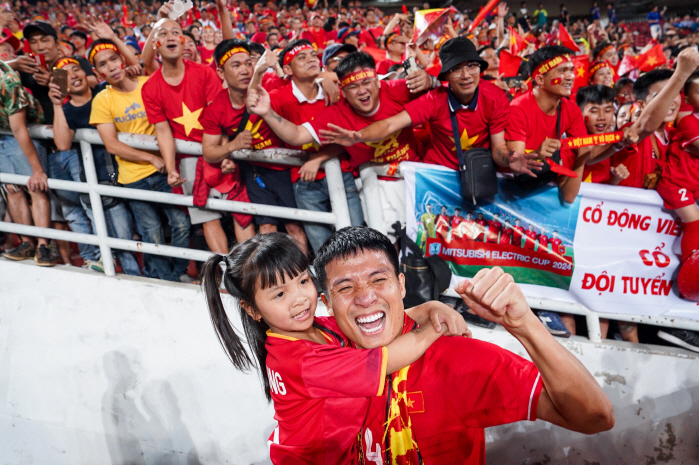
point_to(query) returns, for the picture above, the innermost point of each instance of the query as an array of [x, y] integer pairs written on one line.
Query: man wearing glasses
[[481, 109]]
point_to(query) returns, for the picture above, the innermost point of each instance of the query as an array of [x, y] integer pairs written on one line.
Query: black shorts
[[278, 189]]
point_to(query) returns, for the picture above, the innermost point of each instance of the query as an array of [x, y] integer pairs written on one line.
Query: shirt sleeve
[[398, 90], [576, 124], [491, 386], [516, 127], [101, 112], [14, 96], [330, 114], [688, 130], [210, 120], [497, 121], [154, 108], [325, 370], [423, 108]]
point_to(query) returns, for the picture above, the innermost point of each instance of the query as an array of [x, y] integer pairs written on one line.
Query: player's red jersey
[[598, 173], [220, 117], [383, 66], [480, 229], [320, 395], [682, 167], [494, 228], [450, 398], [442, 225], [528, 124], [181, 105], [642, 159], [506, 236], [397, 147], [530, 241], [556, 246], [487, 114], [543, 242], [317, 37], [290, 103], [207, 56], [456, 221], [517, 234]]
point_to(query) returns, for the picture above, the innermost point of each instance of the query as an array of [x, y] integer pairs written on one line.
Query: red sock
[[690, 239]]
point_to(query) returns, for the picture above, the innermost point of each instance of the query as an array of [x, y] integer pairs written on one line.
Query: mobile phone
[[513, 82], [410, 66], [60, 78], [7, 6], [40, 60], [179, 7]]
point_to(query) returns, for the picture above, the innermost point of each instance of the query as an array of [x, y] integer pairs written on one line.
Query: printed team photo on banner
[[529, 235]]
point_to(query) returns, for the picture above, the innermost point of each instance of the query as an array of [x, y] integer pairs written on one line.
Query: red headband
[[291, 54], [550, 64], [63, 62], [598, 66], [605, 50], [226, 56], [357, 76], [101, 48]]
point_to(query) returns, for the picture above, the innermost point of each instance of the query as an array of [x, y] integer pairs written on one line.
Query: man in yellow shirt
[[119, 108]]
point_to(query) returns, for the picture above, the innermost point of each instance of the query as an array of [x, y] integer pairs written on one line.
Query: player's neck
[[78, 100], [237, 97], [308, 87], [548, 102], [126, 85], [173, 70]]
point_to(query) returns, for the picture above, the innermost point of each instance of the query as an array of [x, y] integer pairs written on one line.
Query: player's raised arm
[[571, 397], [374, 132], [259, 104]]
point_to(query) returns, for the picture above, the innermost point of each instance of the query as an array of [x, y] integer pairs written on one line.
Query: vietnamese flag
[[517, 44], [565, 39], [509, 64], [651, 59], [377, 53], [582, 65], [482, 14], [628, 64]]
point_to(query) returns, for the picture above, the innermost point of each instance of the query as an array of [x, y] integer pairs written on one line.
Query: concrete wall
[[97, 370]]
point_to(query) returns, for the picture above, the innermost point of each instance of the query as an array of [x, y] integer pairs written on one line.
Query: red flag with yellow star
[[565, 39], [509, 64], [651, 59], [582, 64], [517, 43]]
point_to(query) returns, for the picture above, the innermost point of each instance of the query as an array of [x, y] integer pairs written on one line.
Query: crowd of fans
[[330, 81]]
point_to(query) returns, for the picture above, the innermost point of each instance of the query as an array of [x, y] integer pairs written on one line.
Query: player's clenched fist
[[258, 101], [548, 147], [493, 295]]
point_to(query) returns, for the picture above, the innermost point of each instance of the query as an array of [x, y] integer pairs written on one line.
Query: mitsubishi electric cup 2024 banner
[[612, 250]]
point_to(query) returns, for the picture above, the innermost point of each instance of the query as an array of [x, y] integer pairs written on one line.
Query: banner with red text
[[612, 250]]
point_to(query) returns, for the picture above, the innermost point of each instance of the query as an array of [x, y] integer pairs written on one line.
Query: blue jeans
[[151, 230], [14, 161], [66, 167], [314, 196]]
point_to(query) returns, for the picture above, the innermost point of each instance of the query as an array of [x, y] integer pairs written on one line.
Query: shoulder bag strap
[[243, 122], [455, 129]]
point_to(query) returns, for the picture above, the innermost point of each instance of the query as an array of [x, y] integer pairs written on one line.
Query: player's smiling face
[[366, 298], [288, 307]]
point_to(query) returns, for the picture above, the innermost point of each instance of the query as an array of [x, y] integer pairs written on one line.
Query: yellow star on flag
[[466, 142], [189, 119], [652, 60], [580, 71]]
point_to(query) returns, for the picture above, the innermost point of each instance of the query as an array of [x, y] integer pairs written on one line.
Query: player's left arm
[[519, 163], [437, 313], [568, 187], [571, 397]]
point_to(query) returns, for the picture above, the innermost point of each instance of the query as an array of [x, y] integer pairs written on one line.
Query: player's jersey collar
[[302, 98], [455, 105]]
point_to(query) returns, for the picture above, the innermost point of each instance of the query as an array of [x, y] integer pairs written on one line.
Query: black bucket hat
[[456, 51]]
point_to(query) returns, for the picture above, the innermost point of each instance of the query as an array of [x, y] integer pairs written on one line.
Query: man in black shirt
[[68, 118]]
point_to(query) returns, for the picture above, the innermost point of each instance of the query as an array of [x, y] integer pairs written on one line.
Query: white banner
[[622, 244]]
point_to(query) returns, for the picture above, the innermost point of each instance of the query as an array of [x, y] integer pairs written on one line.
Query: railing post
[[594, 333], [337, 194], [372, 199], [97, 210]]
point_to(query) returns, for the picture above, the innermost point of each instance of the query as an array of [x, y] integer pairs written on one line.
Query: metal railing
[[375, 219], [338, 216]]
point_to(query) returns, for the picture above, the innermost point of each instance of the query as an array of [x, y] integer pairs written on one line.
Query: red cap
[[10, 38]]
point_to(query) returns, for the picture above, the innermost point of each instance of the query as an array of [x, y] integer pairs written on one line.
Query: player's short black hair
[[348, 242], [190, 35], [643, 83], [290, 47], [484, 48], [694, 77], [257, 49], [597, 95], [98, 42], [599, 47], [329, 24], [227, 45], [386, 39], [544, 54], [353, 61], [621, 83]]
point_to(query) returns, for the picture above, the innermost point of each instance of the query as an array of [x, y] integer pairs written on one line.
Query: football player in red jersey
[[518, 233], [530, 238], [460, 386], [543, 241], [481, 224], [506, 234], [456, 219], [556, 247], [494, 227], [320, 387]]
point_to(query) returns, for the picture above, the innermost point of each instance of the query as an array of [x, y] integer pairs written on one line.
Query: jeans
[[314, 196], [151, 230], [66, 166], [14, 161], [120, 226]]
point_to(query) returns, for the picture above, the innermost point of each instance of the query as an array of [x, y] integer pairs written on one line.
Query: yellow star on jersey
[[409, 402], [466, 142], [189, 119], [381, 147], [580, 71]]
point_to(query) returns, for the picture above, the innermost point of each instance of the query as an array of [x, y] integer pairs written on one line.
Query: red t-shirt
[[320, 395], [530, 240], [270, 82], [682, 166], [207, 56], [506, 236], [543, 242], [317, 37], [459, 387], [518, 233], [181, 105], [494, 228], [382, 66], [556, 246], [641, 159], [456, 220], [528, 124], [397, 147], [220, 117], [488, 115], [598, 173], [481, 229], [369, 36]]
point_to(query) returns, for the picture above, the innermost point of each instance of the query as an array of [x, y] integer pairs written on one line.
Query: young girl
[[319, 386]]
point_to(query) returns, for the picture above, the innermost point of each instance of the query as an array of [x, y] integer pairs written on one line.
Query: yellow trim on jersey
[[326, 336], [281, 336], [384, 363]]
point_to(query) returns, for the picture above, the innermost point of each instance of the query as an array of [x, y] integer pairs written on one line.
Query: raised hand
[[524, 163], [337, 135], [258, 101], [99, 28]]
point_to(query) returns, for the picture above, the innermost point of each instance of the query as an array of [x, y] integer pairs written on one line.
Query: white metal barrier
[[338, 216], [375, 219]]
